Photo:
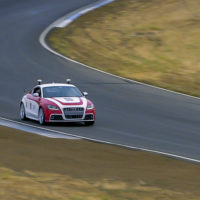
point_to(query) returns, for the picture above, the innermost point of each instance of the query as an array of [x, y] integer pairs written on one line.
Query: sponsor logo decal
[[68, 99]]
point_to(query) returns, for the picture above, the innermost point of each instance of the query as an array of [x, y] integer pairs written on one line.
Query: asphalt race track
[[127, 113]]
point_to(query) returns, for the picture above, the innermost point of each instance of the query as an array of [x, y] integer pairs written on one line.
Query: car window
[[61, 91], [37, 90]]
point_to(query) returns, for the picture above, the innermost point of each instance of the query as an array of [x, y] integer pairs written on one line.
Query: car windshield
[[61, 91]]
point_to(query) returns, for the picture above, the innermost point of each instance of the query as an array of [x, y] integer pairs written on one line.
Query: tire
[[90, 123], [41, 117], [22, 112]]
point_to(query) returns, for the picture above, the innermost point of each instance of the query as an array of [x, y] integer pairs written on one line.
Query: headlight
[[52, 107], [90, 106]]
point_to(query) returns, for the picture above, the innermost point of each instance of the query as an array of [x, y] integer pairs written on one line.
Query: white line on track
[[100, 141], [69, 19], [34, 129]]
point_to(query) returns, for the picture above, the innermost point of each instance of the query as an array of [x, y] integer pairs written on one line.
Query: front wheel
[[90, 123], [22, 112], [41, 117]]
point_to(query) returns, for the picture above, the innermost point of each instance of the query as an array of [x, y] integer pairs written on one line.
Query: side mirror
[[85, 94], [36, 94]]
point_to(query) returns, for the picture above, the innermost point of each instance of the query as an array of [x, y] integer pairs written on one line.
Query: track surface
[[127, 113]]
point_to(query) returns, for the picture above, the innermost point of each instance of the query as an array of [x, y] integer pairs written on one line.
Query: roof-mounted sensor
[[39, 81], [68, 81]]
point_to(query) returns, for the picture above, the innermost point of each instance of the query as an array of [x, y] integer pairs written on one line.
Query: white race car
[[57, 102]]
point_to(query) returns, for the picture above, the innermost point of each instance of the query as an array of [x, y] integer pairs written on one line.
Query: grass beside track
[[35, 167], [156, 42]]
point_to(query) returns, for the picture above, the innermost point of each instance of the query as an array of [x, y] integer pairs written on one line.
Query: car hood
[[67, 100]]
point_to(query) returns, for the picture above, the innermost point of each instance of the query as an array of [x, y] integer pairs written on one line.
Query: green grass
[[156, 42], [38, 168]]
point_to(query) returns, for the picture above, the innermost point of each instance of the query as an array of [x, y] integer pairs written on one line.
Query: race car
[[56, 102]]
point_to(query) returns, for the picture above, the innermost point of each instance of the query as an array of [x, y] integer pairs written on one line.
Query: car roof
[[55, 85]]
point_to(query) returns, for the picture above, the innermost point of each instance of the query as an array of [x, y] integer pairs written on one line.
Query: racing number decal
[[32, 108]]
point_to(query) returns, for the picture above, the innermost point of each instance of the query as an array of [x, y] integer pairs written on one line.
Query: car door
[[33, 103]]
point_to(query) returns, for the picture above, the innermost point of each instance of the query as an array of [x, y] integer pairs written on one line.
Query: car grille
[[73, 109], [73, 116], [73, 112]]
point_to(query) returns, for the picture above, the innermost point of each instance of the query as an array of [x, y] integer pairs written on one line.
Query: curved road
[[127, 113]]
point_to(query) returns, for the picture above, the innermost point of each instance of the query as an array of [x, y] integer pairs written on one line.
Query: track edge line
[[108, 143]]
